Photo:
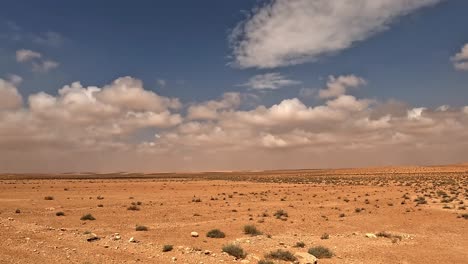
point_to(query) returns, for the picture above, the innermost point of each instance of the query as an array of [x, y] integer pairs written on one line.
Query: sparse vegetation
[[251, 230], [325, 236], [87, 217], [281, 255], [320, 252], [299, 244], [235, 251], [49, 198], [141, 228], [281, 214], [264, 261], [133, 208], [215, 233], [167, 248]]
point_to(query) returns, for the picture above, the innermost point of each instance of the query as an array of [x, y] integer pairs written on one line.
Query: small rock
[[370, 235], [133, 240], [194, 234], [174, 259]]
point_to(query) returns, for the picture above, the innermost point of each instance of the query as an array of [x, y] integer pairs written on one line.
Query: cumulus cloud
[[25, 55], [460, 60], [123, 126], [337, 86], [36, 59], [9, 96], [210, 109], [285, 32], [269, 81]]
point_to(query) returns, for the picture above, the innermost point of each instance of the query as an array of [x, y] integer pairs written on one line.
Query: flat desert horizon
[[236, 131], [413, 214]]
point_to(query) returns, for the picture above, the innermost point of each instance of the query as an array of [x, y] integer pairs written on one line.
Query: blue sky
[[185, 43], [222, 85]]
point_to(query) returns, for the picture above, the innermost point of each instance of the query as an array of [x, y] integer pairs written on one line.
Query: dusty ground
[[435, 232]]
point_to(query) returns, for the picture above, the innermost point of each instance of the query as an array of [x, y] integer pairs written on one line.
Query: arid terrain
[[374, 215]]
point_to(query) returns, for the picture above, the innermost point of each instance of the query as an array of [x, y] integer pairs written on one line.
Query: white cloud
[[9, 96], [460, 60], [44, 66], [337, 86], [36, 59], [123, 126], [286, 32], [25, 55], [269, 81], [209, 110]]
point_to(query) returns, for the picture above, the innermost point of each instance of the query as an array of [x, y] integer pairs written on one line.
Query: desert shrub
[[17, 211], [133, 208], [235, 251], [48, 198], [86, 217], [281, 214], [325, 236], [167, 248], [384, 234], [281, 255], [196, 200], [357, 210], [465, 216], [320, 252], [299, 244], [342, 215], [60, 213], [215, 233], [141, 228], [251, 230], [263, 261], [100, 205], [420, 200]]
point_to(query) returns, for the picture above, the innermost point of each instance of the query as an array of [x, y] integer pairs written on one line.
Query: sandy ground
[[316, 202]]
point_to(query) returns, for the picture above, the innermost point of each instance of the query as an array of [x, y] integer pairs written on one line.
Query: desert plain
[[372, 215]]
